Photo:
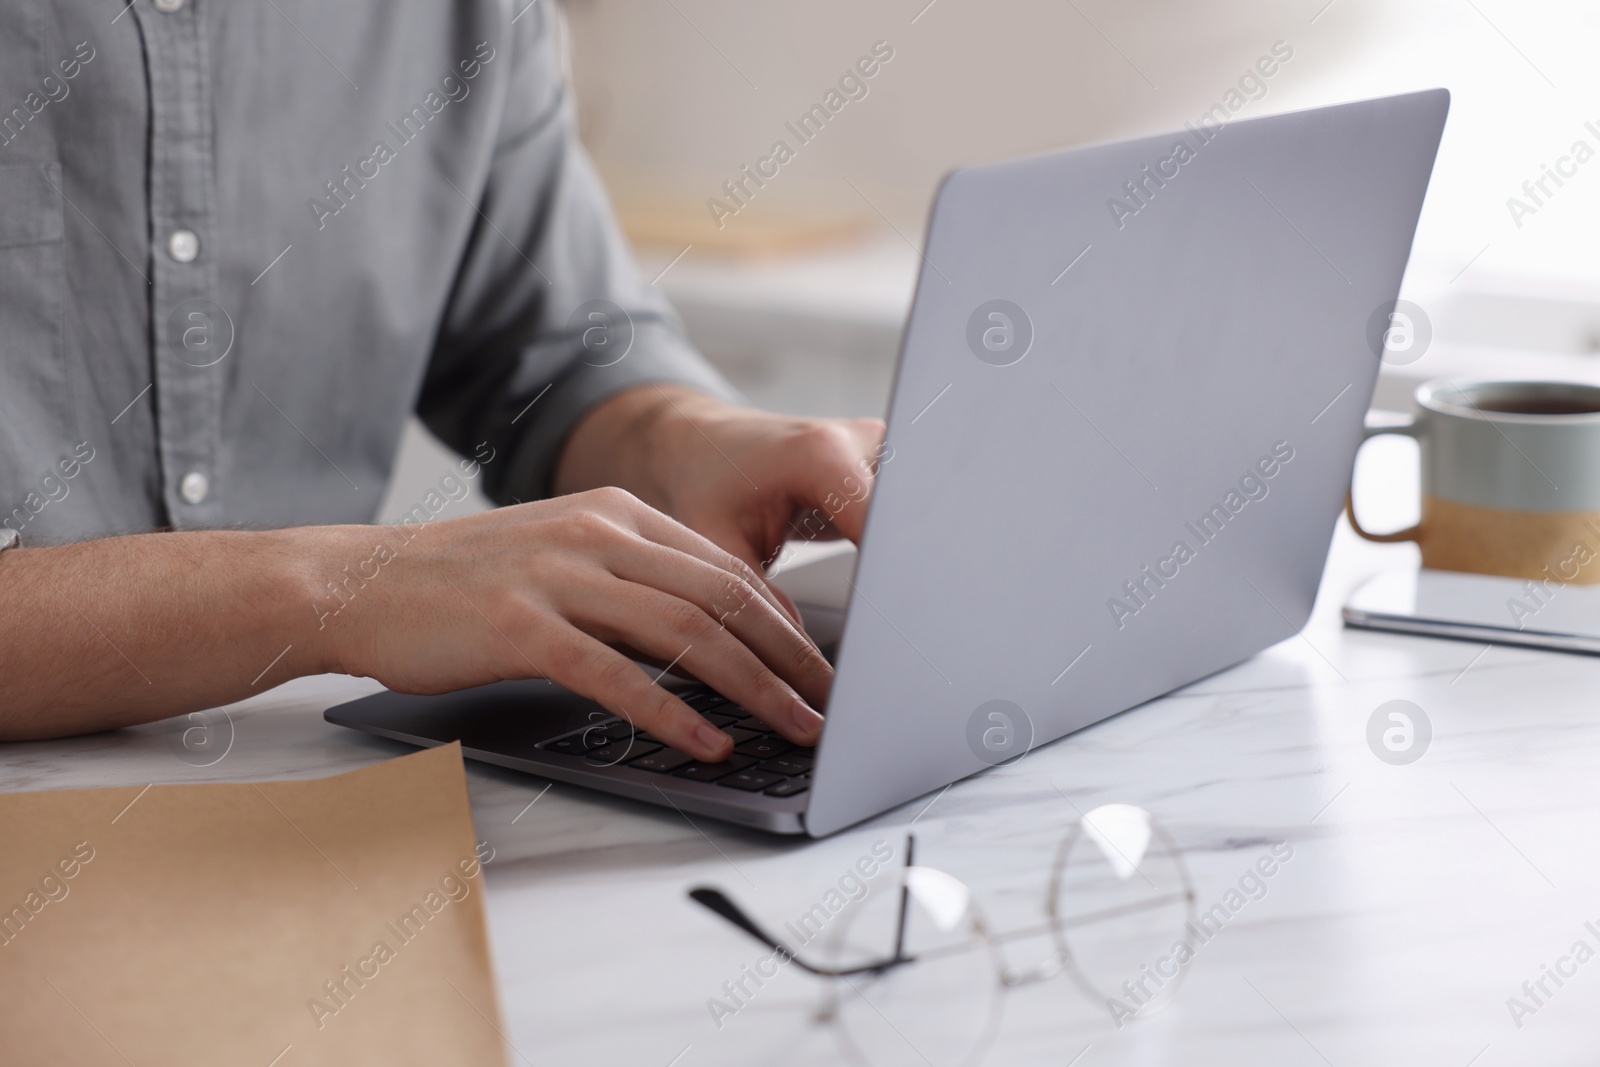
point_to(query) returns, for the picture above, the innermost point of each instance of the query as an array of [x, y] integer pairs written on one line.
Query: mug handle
[[1406, 426]]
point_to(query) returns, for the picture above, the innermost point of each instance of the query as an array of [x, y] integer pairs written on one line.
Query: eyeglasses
[[1119, 895]]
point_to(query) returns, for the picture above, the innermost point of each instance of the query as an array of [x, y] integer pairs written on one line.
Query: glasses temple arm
[[905, 899], [717, 901]]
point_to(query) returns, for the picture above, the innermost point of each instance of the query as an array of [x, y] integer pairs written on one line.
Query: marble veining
[[1419, 899]]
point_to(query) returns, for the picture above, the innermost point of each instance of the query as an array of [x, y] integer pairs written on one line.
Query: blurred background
[[798, 289]]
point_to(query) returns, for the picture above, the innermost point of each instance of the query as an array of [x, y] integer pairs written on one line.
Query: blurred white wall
[[676, 95]]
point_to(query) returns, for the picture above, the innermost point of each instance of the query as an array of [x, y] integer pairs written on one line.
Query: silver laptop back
[[1124, 419]]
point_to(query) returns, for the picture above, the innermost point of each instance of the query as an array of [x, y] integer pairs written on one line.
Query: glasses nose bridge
[[1004, 948], [1044, 971], [999, 945]]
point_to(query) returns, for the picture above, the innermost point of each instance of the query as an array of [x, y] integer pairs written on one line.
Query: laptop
[[1121, 428]]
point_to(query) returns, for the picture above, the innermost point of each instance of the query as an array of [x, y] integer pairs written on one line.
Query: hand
[[552, 589], [746, 480]]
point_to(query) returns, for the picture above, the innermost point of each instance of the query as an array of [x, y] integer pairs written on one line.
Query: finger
[[588, 668], [737, 544], [834, 471], [736, 541], [732, 603], [667, 531], [790, 606], [667, 628], [808, 523]]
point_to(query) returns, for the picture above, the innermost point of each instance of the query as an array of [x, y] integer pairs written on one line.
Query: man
[[239, 242]]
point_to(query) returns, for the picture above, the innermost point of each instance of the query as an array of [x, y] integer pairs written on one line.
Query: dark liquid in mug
[[1541, 405]]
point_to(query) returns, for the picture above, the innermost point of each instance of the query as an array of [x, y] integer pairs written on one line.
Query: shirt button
[[167, 7], [183, 246], [194, 487]]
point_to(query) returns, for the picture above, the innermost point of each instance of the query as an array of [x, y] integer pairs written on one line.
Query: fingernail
[[709, 736], [808, 721]]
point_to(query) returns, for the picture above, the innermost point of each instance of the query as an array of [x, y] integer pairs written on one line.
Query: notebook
[[1542, 613], [332, 921]]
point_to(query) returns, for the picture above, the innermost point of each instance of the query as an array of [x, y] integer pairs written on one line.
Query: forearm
[[125, 630]]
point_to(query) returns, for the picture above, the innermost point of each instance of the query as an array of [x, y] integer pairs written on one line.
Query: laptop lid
[[1124, 419]]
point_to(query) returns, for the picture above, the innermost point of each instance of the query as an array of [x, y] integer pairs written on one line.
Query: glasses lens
[[939, 1010], [1121, 899]]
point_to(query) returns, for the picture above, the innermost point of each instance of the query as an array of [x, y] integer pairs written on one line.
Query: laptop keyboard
[[762, 761]]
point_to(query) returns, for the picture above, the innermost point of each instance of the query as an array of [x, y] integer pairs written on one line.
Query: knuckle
[[687, 620], [734, 594], [613, 498], [653, 711], [807, 659], [565, 658], [611, 673], [769, 687], [513, 613], [592, 527], [740, 570], [825, 440], [666, 708]]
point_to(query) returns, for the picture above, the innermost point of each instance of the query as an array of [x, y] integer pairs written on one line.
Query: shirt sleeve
[[548, 315]]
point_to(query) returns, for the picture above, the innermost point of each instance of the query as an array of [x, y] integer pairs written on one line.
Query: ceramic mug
[[1510, 479]]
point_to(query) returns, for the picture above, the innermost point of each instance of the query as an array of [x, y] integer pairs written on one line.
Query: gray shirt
[[240, 241]]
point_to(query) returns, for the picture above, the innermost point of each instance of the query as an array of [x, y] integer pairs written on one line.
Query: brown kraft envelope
[[333, 921]]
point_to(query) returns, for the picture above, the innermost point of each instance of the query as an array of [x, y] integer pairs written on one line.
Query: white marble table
[[1418, 900]]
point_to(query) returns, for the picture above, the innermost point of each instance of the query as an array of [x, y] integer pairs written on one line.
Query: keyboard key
[[710, 772], [764, 748], [788, 787], [740, 735], [621, 730], [718, 719], [750, 781], [575, 744], [736, 711], [790, 764], [620, 752], [664, 761], [702, 699]]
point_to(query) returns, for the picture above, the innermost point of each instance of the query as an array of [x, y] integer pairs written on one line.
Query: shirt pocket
[[33, 397]]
